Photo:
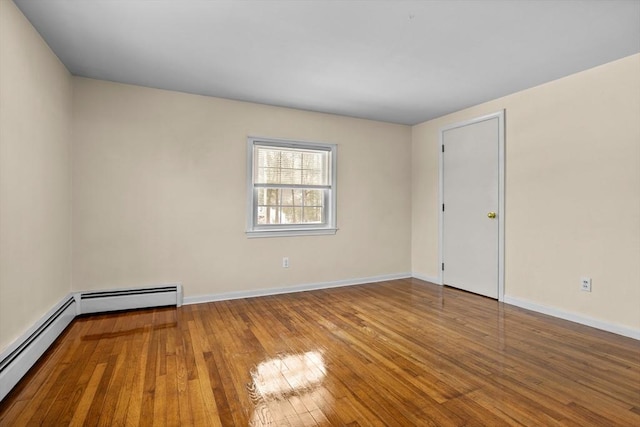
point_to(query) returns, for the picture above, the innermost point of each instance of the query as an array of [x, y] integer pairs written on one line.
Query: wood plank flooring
[[398, 353]]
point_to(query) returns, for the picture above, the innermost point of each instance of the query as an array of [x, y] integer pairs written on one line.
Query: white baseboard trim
[[291, 289], [573, 317], [434, 280], [19, 357]]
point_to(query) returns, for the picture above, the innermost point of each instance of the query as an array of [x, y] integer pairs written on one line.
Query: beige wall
[[159, 186], [572, 192], [35, 176]]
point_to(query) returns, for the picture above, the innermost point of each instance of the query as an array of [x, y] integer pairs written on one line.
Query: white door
[[471, 197]]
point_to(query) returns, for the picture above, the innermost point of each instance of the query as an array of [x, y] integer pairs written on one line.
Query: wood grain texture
[[397, 353]]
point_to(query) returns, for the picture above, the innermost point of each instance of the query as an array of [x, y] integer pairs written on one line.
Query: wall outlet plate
[[585, 284]]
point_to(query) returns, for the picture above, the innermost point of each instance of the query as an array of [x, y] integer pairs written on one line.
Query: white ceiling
[[396, 61]]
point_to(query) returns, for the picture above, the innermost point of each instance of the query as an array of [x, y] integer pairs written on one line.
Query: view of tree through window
[[291, 185]]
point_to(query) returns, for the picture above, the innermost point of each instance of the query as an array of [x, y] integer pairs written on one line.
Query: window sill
[[290, 233]]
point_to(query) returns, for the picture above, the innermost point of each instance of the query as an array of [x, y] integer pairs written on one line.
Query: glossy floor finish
[[398, 353]]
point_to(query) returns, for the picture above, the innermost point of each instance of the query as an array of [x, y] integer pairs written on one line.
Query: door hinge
[[443, 207], [443, 148], [443, 266]]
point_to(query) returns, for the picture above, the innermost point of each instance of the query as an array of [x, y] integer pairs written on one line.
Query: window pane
[[291, 166], [312, 177], [291, 215], [290, 176], [273, 197], [262, 215], [288, 197], [312, 215], [293, 197], [284, 206], [313, 197], [268, 215], [291, 159], [315, 167], [268, 175], [268, 157]]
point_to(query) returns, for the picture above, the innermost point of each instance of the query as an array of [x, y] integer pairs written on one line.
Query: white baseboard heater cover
[[16, 360], [127, 299], [20, 357]]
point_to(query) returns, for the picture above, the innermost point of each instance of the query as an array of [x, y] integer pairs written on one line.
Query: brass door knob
[[491, 215]]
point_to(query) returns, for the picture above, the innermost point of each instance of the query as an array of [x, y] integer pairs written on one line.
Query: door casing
[[500, 115]]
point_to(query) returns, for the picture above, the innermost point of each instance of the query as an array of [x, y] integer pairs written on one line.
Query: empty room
[[320, 213]]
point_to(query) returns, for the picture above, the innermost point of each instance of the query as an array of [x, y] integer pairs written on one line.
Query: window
[[291, 188]]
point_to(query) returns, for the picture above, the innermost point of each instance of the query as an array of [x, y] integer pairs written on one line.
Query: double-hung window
[[292, 188]]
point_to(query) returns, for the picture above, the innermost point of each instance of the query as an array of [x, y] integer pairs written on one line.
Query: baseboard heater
[[21, 356], [16, 360], [127, 299]]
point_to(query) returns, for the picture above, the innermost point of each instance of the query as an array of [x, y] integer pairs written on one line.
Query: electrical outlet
[[585, 284], [285, 262]]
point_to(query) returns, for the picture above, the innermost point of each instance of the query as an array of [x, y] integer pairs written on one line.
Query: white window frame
[[285, 230]]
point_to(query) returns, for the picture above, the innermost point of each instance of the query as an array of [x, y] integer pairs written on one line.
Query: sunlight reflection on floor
[[288, 390]]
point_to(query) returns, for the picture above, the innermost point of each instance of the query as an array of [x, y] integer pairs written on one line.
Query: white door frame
[[501, 212]]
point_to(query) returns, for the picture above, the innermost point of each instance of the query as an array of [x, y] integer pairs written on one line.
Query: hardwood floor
[[398, 353]]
